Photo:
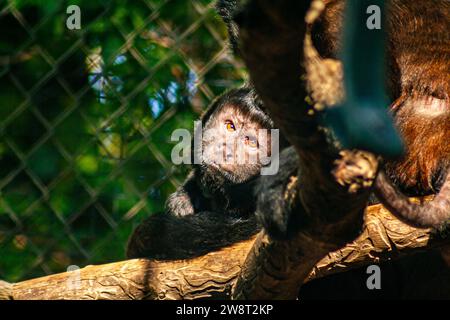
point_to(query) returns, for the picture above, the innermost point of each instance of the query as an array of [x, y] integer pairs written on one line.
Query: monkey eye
[[230, 125], [251, 142]]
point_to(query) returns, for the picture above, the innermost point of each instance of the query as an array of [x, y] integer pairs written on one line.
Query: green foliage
[[86, 118]]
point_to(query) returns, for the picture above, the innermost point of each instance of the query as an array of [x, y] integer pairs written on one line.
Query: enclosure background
[[86, 118]]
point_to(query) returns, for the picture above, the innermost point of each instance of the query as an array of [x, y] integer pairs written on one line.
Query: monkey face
[[234, 143]]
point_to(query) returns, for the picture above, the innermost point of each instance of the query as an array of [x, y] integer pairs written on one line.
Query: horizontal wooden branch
[[383, 238], [214, 274]]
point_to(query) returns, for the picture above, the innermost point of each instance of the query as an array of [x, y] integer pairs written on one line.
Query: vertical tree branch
[[272, 37]]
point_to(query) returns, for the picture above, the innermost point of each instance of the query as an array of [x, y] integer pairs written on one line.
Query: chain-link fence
[[86, 118]]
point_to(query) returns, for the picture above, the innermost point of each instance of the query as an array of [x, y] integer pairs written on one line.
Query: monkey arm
[[275, 194], [435, 214], [182, 202]]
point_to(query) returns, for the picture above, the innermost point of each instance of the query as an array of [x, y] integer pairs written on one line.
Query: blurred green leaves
[[86, 118]]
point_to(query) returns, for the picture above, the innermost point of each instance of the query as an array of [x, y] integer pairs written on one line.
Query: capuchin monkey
[[215, 205]]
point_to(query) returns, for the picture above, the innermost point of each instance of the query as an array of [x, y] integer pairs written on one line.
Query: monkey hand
[[180, 203]]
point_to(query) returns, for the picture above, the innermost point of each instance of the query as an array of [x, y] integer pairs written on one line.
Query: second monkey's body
[[418, 84]]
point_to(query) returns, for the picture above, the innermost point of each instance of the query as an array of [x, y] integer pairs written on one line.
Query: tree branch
[[272, 36], [213, 275]]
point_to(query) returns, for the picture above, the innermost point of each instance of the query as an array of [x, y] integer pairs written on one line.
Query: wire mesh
[[86, 117]]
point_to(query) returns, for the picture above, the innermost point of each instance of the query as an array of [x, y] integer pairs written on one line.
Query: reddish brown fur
[[420, 49], [418, 82], [427, 138]]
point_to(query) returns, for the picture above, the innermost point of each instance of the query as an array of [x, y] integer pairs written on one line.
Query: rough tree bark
[[214, 275], [272, 34]]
